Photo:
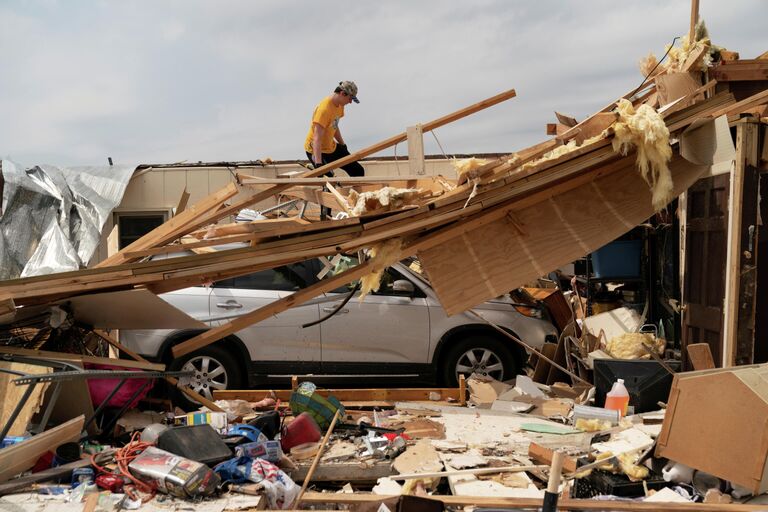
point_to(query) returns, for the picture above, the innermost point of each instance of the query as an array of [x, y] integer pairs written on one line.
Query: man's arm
[[317, 150], [338, 136]]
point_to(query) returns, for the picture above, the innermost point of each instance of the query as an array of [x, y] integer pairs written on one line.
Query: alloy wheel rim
[[481, 361], [209, 374]]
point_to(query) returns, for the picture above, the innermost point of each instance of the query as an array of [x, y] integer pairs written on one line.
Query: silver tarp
[[52, 217]]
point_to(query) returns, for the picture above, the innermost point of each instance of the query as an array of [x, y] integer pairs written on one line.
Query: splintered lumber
[[210, 210], [21, 456], [322, 180], [358, 498]]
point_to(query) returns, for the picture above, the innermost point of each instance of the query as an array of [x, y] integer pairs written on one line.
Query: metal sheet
[[52, 217]]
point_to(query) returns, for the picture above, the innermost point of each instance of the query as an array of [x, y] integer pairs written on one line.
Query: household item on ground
[[200, 443], [250, 433], [128, 395], [268, 450], [279, 489], [617, 398], [303, 429], [306, 399], [647, 382], [716, 423], [152, 431], [268, 423], [618, 259], [217, 420], [66, 453], [586, 412], [600, 482], [174, 475]]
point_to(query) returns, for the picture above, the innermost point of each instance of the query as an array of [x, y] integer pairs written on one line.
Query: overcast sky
[[164, 81]]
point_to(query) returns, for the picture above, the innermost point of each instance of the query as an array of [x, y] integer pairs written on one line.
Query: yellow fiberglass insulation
[[466, 166], [382, 255], [645, 130], [630, 345], [388, 197]]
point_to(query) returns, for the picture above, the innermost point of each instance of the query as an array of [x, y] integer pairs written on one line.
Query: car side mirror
[[404, 287]]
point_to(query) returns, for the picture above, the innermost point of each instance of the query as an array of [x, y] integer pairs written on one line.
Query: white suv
[[398, 333]]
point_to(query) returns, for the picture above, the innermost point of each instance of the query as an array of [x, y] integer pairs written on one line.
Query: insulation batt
[[630, 345], [386, 197], [645, 130], [466, 167], [382, 255]]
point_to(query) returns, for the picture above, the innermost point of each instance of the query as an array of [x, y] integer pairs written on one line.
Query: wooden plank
[[590, 127], [694, 21], [700, 356], [183, 200], [322, 180], [736, 74], [565, 120], [271, 309], [10, 394], [357, 498], [347, 395], [344, 472], [541, 372], [415, 135], [21, 456], [747, 103], [746, 155], [341, 201]]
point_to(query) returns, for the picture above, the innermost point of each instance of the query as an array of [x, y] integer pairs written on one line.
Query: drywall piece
[[525, 385], [614, 322], [567, 226], [130, 309], [666, 495], [419, 458], [717, 422], [22, 456]]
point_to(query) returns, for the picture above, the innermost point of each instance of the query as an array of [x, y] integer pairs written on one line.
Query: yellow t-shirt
[[327, 115]]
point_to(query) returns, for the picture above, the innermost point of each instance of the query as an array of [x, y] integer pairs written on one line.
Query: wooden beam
[[183, 200], [740, 106], [694, 20], [746, 154], [415, 136], [322, 180], [357, 498], [271, 309]]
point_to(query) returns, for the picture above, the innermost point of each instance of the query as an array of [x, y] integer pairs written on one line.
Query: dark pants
[[354, 169]]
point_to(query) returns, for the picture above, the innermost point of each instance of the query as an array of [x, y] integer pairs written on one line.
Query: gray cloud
[[149, 81]]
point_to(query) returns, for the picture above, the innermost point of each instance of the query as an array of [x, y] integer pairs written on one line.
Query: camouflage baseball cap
[[350, 89]]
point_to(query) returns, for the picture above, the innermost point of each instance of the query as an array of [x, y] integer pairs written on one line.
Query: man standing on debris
[[324, 143]]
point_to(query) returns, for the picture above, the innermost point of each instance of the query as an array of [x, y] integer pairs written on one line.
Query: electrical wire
[[336, 309], [123, 457], [671, 45]]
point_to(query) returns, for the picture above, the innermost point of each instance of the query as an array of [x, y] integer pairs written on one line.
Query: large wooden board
[[502, 255]]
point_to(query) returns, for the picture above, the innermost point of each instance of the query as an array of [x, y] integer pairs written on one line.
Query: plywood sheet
[[10, 394], [489, 261]]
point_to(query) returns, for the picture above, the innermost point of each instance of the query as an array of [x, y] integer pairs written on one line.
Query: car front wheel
[[479, 354], [213, 369]]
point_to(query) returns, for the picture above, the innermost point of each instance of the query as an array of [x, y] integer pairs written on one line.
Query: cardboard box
[[717, 422]]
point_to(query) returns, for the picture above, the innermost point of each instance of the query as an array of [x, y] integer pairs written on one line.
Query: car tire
[[477, 353], [215, 369]]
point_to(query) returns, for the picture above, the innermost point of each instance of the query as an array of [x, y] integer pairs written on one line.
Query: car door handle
[[230, 304], [329, 309]]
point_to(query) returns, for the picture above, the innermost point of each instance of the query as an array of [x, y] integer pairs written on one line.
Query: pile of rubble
[[694, 441]]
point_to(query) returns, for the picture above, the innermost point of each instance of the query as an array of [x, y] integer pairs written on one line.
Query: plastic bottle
[[618, 397]]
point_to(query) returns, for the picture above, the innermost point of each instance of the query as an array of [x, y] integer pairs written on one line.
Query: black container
[[646, 381], [268, 423], [603, 483], [200, 443]]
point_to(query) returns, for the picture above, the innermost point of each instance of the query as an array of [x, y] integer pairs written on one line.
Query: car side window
[[278, 279]]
